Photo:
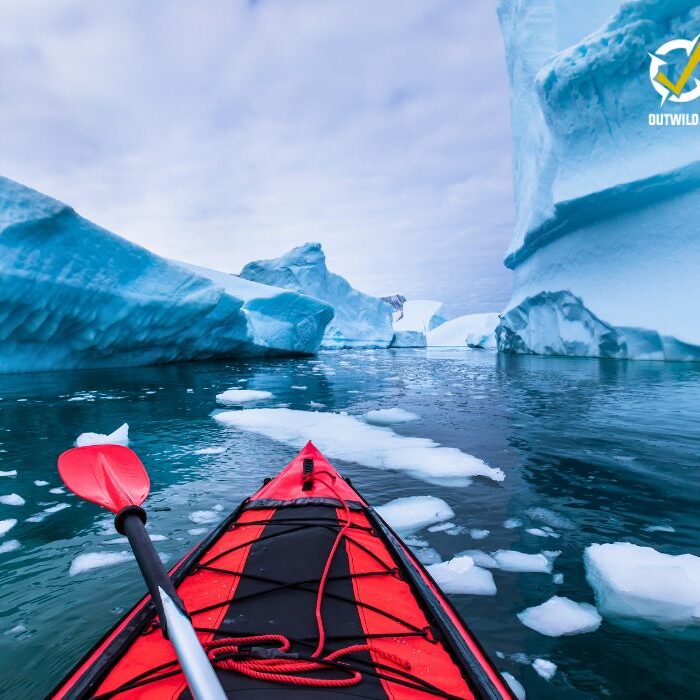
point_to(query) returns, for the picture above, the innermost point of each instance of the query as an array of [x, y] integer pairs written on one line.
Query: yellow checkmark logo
[[677, 87]]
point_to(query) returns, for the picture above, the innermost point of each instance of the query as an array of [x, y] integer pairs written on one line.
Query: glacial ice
[[418, 318], [604, 259], [238, 396], [412, 513], [119, 437], [359, 320], [461, 576], [473, 330], [561, 616], [390, 416], [74, 295], [350, 439], [630, 581]]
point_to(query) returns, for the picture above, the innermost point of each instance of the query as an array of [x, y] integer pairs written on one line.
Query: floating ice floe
[[477, 534], [630, 581], [40, 482], [9, 546], [427, 556], [200, 517], [97, 560], [125, 540], [119, 437], [545, 669], [462, 576], [57, 490], [7, 525], [441, 527], [561, 616], [210, 451], [390, 416], [412, 513], [512, 523], [298, 387], [549, 517], [197, 530], [349, 439], [9, 472], [515, 685], [238, 396], [12, 499], [480, 558], [508, 560], [659, 528], [40, 517], [558, 578]]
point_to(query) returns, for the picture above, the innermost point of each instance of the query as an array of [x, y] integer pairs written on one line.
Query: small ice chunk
[[12, 499], [477, 534], [640, 582], [40, 517], [218, 507], [549, 517], [9, 546], [480, 558], [96, 560], [124, 540], [119, 437], [428, 556], [441, 527], [298, 387], [210, 451], [561, 616], [316, 404], [390, 416], [545, 669], [509, 560], [7, 525], [412, 513], [237, 396], [198, 530], [201, 517], [9, 472], [39, 482], [659, 528], [57, 490], [515, 685], [558, 579], [415, 541], [512, 523], [460, 575]]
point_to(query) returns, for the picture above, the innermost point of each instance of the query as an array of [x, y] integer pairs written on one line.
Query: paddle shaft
[[174, 620]]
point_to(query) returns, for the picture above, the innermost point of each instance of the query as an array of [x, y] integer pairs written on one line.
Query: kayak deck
[[303, 592]]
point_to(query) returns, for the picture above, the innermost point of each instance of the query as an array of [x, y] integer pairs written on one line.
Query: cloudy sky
[[224, 131]]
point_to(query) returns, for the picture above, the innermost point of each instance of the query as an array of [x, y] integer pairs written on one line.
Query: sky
[[226, 131]]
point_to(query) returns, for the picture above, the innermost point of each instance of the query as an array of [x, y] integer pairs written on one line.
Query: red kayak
[[302, 592]]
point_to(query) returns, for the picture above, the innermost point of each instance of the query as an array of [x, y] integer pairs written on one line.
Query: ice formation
[[12, 499], [75, 295], [515, 685], [462, 576], [473, 330], [10, 546], [360, 320], [638, 582], [350, 439], [119, 437], [418, 318], [604, 252], [390, 416], [9, 472], [238, 396], [412, 513], [561, 616], [545, 669], [7, 525], [96, 560], [509, 560]]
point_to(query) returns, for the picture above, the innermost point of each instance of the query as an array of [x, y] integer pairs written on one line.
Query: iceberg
[[360, 320], [472, 330], [73, 295], [630, 581], [418, 317], [604, 253]]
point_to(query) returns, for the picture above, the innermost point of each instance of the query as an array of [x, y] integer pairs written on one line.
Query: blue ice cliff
[[74, 295], [606, 248], [360, 320]]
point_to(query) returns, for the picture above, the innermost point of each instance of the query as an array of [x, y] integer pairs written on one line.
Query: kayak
[[303, 591]]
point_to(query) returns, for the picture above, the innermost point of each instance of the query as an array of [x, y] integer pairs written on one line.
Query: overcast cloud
[[220, 132]]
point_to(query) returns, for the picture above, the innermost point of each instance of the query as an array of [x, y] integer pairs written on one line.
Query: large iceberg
[[360, 320], [472, 330], [605, 251], [75, 295], [418, 317]]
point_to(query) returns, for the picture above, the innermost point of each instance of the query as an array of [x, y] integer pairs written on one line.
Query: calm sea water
[[613, 446]]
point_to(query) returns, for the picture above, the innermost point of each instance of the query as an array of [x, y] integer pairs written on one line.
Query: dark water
[[613, 446]]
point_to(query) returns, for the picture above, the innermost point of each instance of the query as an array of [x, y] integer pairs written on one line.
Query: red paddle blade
[[110, 475]]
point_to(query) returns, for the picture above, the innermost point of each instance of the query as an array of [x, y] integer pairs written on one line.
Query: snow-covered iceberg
[[360, 320], [418, 317], [472, 330], [605, 252], [75, 295]]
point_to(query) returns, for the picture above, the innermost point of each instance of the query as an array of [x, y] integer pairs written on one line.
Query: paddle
[[114, 477]]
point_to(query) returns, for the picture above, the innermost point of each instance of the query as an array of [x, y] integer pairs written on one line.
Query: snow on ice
[[238, 396], [561, 616], [412, 513], [119, 437]]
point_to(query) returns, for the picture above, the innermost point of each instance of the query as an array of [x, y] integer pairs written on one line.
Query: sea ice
[[40, 517], [630, 581], [473, 330], [550, 518], [9, 546], [12, 499], [390, 416], [349, 439], [197, 530], [545, 669], [561, 616], [359, 320], [427, 556], [39, 482], [7, 525], [96, 560], [461, 575], [418, 317], [508, 560], [57, 490], [236, 396], [441, 527], [210, 451], [200, 517], [512, 523], [480, 558], [9, 472], [119, 437], [659, 528], [515, 685], [412, 513], [477, 534], [558, 578]]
